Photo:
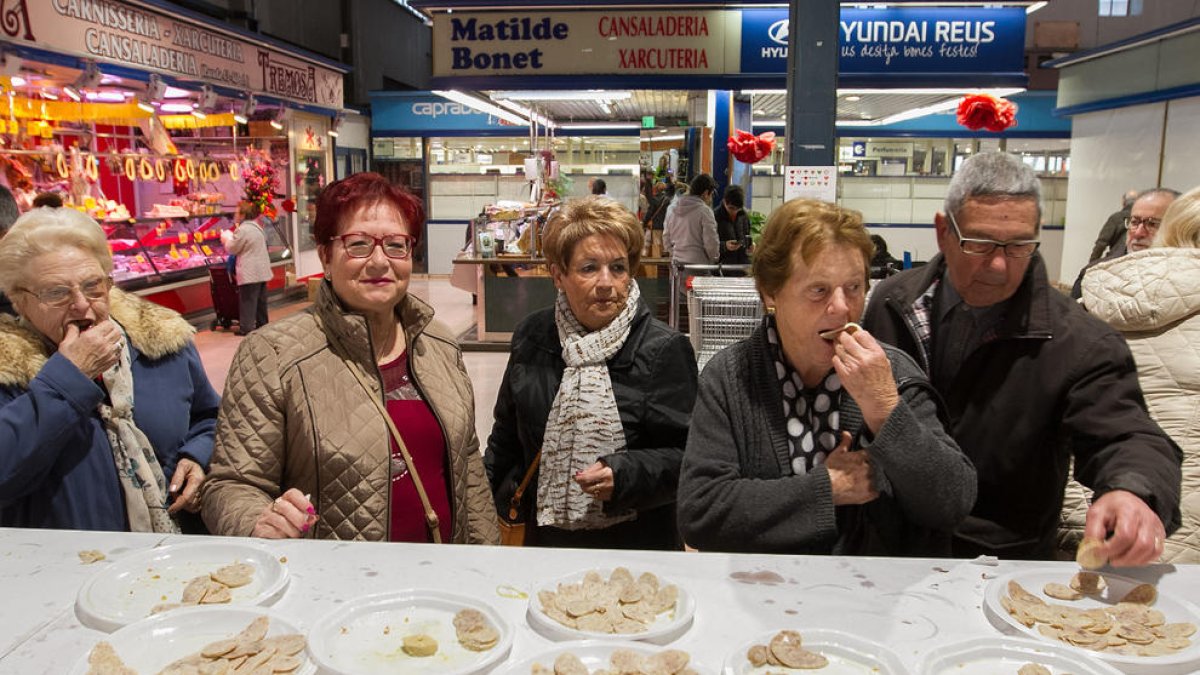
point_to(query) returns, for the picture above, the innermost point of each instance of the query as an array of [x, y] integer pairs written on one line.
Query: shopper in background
[[690, 229], [8, 215], [733, 227], [807, 444], [656, 215], [1111, 240], [601, 389], [303, 447], [51, 199], [248, 241], [1029, 378], [103, 398], [1153, 298], [1145, 215], [599, 187]]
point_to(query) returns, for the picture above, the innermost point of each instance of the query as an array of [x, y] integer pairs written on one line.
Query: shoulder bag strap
[[431, 517], [514, 507]]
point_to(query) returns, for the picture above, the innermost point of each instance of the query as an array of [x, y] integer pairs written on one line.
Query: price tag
[[207, 250], [183, 237]]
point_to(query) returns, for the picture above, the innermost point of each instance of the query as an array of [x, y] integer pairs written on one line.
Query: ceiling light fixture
[[156, 89], [277, 120], [1035, 7], [337, 122], [587, 95], [482, 106], [142, 105], [242, 116], [600, 125], [88, 79], [208, 98], [853, 98]]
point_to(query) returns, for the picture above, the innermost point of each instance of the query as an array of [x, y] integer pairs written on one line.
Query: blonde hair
[[1181, 223], [579, 219], [809, 227], [49, 230]]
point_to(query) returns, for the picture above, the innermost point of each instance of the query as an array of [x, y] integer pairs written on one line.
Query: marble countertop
[[911, 605]]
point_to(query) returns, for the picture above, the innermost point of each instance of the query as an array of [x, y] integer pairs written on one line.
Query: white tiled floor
[[453, 308]]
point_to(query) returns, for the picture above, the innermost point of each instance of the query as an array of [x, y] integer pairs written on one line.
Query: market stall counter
[[351, 600]]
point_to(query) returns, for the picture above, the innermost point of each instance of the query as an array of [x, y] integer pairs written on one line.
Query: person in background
[[106, 414], [8, 215], [656, 216], [1145, 215], [1111, 239], [601, 389], [51, 199], [599, 187], [1153, 297], [303, 447], [733, 227], [1030, 379], [690, 229], [249, 243], [806, 443]]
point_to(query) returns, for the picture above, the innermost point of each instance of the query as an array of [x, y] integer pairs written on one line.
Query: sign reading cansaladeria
[[721, 42], [139, 36]]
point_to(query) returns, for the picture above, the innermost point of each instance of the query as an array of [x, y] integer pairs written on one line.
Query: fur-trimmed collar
[[155, 331]]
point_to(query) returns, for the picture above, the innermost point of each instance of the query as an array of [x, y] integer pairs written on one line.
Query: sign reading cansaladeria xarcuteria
[[144, 37]]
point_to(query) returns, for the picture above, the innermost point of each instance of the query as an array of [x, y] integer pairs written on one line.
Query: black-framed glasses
[[982, 247], [362, 245], [1134, 222], [61, 296]]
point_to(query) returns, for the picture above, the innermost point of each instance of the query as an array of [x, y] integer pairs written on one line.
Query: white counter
[[911, 605]]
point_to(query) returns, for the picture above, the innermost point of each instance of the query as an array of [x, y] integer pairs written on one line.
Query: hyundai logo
[[778, 32]]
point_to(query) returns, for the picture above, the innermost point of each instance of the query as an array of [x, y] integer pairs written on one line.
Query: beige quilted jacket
[[1153, 298], [294, 415]]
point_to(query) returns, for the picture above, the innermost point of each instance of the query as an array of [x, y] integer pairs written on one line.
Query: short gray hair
[[49, 230], [993, 174]]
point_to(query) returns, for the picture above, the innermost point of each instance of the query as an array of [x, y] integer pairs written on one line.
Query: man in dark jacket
[[1112, 233], [1029, 378], [656, 214], [733, 227], [8, 215]]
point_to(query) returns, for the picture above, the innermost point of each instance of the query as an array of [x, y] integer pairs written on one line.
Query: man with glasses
[[1145, 215], [8, 216], [1030, 380]]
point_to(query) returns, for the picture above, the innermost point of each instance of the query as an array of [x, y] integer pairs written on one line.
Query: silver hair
[[993, 174], [49, 230]]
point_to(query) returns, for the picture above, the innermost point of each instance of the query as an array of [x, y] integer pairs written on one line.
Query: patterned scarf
[[584, 423], [141, 475], [812, 416]]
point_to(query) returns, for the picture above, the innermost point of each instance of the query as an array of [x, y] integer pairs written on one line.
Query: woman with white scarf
[[601, 388], [106, 414]]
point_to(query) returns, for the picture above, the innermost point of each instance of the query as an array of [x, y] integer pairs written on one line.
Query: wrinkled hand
[[597, 481], [288, 517], [850, 475], [866, 373], [93, 351], [1137, 533], [188, 476]]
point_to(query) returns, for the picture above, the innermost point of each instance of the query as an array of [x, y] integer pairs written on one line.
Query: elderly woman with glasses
[[595, 402], [106, 415], [810, 436], [354, 419]]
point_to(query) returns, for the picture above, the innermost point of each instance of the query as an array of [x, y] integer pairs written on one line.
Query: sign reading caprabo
[[615, 41]]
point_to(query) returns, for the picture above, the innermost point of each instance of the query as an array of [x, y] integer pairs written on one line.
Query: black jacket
[[737, 230], [1056, 382], [656, 210], [654, 383]]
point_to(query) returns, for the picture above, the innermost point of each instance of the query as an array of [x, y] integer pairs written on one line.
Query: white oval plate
[[151, 644], [595, 655], [365, 635], [131, 586], [991, 655], [668, 625], [847, 653], [1175, 609]]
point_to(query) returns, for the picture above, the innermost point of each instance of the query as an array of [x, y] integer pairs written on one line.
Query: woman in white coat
[[249, 243]]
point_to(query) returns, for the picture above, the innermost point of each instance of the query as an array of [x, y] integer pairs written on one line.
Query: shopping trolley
[[681, 279], [226, 310], [721, 311]]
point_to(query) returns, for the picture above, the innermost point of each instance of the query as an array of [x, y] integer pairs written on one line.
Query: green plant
[[757, 221]]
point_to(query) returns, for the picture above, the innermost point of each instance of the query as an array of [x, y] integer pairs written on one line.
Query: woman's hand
[[288, 517], [866, 373], [94, 350], [189, 476], [850, 475], [597, 481]]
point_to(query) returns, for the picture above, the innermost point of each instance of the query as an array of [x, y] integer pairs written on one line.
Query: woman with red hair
[[354, 419]]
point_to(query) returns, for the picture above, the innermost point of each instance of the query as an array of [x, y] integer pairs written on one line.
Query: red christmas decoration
[[748, 148], [288, 205], [980, 111]]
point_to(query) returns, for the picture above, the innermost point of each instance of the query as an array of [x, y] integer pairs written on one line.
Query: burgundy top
[[425, 442]]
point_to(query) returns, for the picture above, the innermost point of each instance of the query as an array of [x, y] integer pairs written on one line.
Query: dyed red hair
[[344, 199]]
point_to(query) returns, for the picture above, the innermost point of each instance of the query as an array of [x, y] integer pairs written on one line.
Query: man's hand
[[188, 476], [1137, 533], [597, 481], [850, 475]]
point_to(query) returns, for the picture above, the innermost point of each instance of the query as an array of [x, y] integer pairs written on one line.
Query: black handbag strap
[[514, 506]]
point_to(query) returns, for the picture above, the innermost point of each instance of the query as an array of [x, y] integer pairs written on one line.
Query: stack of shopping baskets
[[721, 311]]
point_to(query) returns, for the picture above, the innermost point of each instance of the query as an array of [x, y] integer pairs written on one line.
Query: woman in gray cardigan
[[805, 439]]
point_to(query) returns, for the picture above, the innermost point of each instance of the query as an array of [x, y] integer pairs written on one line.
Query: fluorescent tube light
[[587, 95], [482, 106], [600, 125]]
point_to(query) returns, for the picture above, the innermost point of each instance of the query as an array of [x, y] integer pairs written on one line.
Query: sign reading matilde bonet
[[130, 34]]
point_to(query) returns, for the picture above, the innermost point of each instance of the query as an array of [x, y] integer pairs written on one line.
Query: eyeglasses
[[61, 296], [360, 245], [1151, 224], [982, 247]]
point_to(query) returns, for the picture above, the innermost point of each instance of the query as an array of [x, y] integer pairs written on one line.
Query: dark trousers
[[252, 306]]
